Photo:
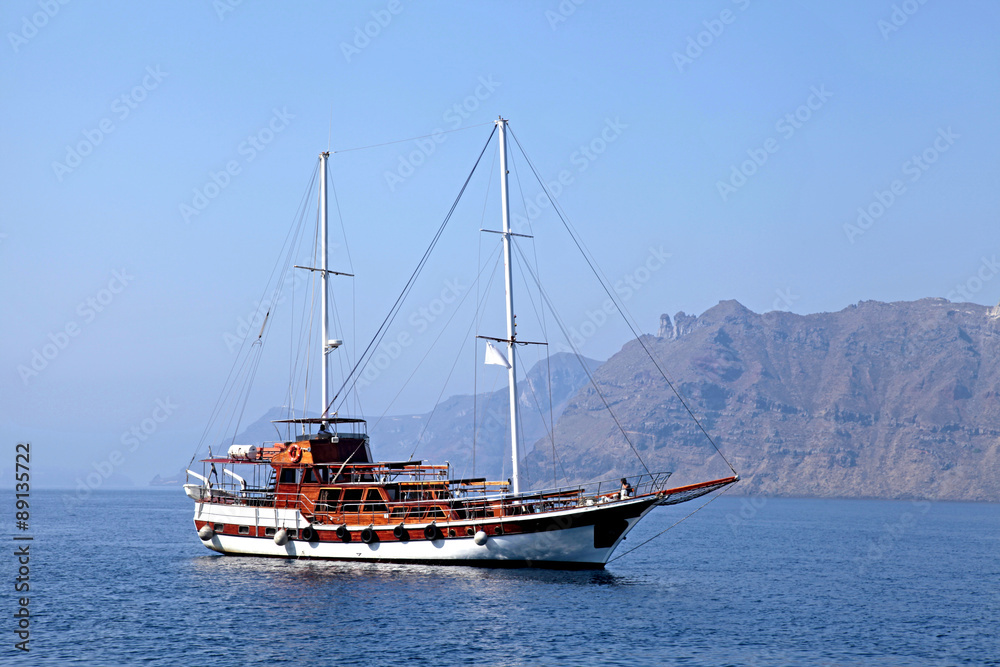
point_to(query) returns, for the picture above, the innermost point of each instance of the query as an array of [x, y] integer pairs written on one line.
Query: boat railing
[[423, 504], [567, 497], [641, 485]]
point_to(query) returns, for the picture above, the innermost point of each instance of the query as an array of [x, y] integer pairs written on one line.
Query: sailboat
[[322, 494]]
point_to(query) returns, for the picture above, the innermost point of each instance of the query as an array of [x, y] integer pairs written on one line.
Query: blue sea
[[122, 579]]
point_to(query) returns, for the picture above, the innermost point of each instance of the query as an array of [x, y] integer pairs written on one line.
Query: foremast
[[324, 277], [327, 344]]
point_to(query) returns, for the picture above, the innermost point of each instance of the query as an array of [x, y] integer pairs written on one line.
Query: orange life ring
[[295, 453]]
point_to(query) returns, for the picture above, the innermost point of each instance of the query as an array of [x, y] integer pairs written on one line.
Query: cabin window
[[352, 500], [289, 476], [374, 502], [269, 532], [435, 513], [219, 527], [328, 499], [244, 530], [315, 476]]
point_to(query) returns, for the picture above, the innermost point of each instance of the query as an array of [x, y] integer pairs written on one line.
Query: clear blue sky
[[114, 115]]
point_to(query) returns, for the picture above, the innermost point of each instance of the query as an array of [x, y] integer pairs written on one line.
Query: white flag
[[495, 356]]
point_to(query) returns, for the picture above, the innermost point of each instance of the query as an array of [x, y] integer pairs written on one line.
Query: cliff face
[[883, 400], [888, 400]]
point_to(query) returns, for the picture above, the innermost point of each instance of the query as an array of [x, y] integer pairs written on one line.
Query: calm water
[[123, 579]]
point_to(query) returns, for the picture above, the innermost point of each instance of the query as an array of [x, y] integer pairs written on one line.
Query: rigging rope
[[476, 319], [444, 386], [604, 284], [545, 331], [354, 304], [682, 519], [231, 382], [590, 377], [427, 353], [383, 328]]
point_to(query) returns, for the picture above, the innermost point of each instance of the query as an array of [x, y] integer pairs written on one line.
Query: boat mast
[[324, 277], [327, 344], [511, 324]]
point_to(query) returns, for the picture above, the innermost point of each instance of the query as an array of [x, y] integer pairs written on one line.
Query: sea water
[[121, 578]]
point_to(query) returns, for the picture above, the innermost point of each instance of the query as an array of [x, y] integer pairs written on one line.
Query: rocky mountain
[[879, 400], [886, 400]]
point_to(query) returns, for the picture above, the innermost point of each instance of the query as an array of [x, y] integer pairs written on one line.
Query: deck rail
[[421, 504]]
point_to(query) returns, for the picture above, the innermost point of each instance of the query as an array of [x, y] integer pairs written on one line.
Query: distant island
[[878, 400], [170, 480]]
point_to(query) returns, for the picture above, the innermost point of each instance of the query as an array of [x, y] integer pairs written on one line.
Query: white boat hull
[[574, 546]]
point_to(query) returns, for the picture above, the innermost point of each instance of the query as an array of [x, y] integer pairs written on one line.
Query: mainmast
[[511, 324]]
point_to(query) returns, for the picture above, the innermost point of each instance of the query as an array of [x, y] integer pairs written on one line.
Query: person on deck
[[626, 491]]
